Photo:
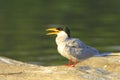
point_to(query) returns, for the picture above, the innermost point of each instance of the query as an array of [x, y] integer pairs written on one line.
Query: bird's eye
[[60, 28]]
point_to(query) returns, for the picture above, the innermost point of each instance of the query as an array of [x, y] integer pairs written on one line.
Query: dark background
[[23, 24]]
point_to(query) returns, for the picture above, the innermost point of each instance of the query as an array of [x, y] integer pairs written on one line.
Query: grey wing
[[75, 47], [79, 50]]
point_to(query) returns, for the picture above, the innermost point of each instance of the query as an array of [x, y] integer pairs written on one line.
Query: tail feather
[[109, 54]]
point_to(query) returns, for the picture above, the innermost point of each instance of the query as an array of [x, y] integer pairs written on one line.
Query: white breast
[[61, 44]]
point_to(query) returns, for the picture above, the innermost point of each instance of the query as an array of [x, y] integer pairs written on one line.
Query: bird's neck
[[60, 39]]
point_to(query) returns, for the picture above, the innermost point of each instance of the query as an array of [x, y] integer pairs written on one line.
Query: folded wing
[[80, 50]]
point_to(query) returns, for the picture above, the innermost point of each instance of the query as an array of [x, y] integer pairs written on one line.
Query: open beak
[[52, 31]]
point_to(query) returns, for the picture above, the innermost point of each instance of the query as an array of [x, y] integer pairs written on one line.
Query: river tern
[[71, 48]]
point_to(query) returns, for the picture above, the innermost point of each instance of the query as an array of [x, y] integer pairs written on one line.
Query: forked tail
[[109, 54]]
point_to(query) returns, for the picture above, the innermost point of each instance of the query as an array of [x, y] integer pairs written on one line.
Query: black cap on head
[[64, 28]]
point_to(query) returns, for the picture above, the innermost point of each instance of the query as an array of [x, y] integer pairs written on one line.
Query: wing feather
[[80, 50], [75, 47]]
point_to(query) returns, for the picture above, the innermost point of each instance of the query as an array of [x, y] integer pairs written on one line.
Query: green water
[[23, 24]]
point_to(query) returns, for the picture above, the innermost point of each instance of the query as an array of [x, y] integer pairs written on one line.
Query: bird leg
[[69, 63], [74, 64]]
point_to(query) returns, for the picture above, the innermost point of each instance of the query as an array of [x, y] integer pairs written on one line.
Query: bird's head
[[59, 30]]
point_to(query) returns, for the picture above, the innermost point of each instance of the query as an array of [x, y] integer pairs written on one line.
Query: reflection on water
[[23, 24]]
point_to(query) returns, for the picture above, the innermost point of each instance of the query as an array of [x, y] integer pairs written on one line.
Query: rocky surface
[[95, 68]]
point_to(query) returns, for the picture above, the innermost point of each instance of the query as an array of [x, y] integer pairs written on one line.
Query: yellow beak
[[53, 31]]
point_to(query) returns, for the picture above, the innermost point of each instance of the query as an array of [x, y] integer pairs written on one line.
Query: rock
[[95, 68]]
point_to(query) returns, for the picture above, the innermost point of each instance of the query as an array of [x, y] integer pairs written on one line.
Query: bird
[[71, 48]]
